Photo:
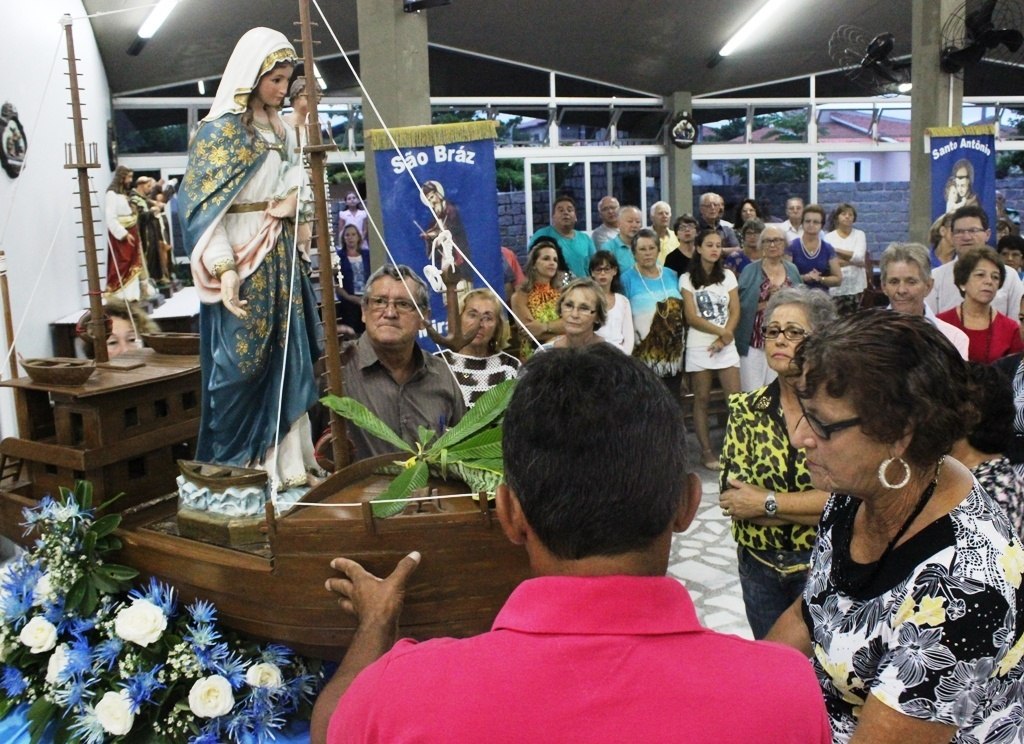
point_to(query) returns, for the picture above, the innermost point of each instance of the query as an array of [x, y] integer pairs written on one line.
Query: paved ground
[[704, 559]]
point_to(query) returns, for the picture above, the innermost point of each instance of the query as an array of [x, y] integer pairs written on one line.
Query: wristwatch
[[771, 506]]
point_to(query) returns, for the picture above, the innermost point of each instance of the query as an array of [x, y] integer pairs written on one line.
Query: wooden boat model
[[124, 430]]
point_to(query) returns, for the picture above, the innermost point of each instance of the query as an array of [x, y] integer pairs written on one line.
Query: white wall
[[40, 207]]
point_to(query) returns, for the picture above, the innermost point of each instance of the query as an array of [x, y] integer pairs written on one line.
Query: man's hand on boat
[[229, 294], [374, 601]]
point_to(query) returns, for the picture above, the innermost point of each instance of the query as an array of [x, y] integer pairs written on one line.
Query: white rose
[[114, 712], [58, 660], [142, 622], [264, 675], [39, 635], [211, 697]]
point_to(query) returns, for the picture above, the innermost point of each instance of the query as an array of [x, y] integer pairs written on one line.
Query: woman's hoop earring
[[885, 466]]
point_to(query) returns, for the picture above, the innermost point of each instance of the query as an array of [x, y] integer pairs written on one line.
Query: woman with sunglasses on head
[[765, 486], [535, 302], [756, 284], [912, 611]]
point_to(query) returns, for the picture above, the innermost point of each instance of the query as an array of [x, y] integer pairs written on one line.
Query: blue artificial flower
[[79, 657], [12, 681], [230, 665], [202, 611], [107, 652], [18, 591], [206, 737], [202, 637], [72, 695], [143, 685], [160, 594], [276, 654], [80, 626], [88, 729]]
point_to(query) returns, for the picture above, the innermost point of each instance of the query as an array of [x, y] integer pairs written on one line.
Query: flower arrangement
[[471, 449], [96, 662]]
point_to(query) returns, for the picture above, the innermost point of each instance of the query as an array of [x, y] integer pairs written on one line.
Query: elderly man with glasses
[[970, 229], [389, 373]]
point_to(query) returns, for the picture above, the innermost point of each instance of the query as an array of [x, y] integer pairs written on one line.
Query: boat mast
[[75, 159], [315, 152]]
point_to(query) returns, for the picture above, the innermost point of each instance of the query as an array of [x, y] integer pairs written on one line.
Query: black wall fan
[[868, 61], [985, 30]]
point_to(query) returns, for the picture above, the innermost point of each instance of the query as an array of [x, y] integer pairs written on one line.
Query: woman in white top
[[712, 306], [851, 246], [618, 327]]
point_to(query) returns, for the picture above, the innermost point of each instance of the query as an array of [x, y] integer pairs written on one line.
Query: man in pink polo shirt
[[601, 646]]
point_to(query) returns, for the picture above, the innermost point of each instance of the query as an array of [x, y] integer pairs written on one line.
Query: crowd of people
[[870, 466]]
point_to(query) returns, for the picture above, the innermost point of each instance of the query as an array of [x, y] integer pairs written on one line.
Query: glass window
[[151, 130], [786, 125], [720, 126]]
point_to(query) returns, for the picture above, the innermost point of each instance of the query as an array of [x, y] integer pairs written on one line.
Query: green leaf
[[83, 494], [75, 595], [105, 525], [118, 572], [90, 600], [89, 543], [362, 417], [491, 405], [400, 488], [103, 584], [487, 436], [484, 451], [425, 435], [477, 479]]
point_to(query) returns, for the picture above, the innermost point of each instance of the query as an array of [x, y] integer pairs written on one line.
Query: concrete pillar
[[394, 69], [936, 101], [677, 189]]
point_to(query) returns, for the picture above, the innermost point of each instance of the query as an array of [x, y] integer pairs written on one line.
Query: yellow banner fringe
[[958, 131], [428, 136]]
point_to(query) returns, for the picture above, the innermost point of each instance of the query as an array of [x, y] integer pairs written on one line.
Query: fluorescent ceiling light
[[156, 18], [319, 77], [905, 87], [202, 88], [755, 22]]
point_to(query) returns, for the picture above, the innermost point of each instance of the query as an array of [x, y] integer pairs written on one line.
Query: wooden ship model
[[125, 427]]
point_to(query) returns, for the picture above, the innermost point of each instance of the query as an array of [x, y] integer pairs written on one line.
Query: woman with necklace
[[851, 246], [979, 273], [765, 486], [618, 328], [711, 305], [582, 310], [535, 303], [258, 323], [756, 284], [816, 259], [911, 613], [653, 293]]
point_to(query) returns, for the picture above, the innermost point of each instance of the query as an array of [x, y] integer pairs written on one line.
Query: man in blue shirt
[[574, 246]]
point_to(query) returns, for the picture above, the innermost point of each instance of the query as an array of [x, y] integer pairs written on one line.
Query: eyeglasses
[[601, 269], [569, 306], [774, 241], [972, 231], [820, 428], [792, 333], [380, 304]]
